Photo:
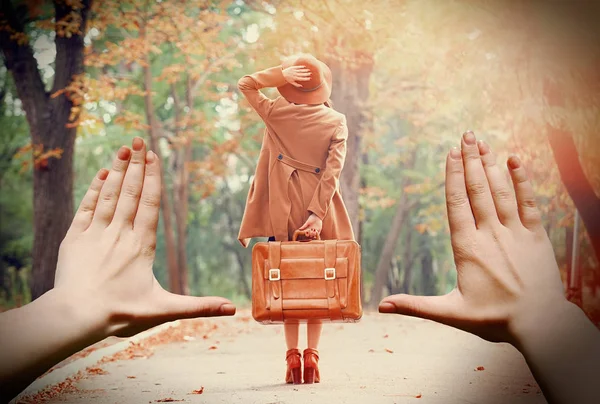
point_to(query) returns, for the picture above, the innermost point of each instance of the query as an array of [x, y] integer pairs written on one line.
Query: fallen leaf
[[386, 336], [212, 348], [418, 396], [371, 350], [96, 371], [389, 350], [131, 377], [200, 391], [479, 368], [166, 400]]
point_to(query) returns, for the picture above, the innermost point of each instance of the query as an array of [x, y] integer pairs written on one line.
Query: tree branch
[[19, 60]]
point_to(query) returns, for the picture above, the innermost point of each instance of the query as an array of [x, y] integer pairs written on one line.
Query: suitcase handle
[[298, 233]]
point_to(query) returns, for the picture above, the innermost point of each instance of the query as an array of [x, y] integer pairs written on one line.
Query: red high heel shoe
[[293, 373], [311, 366]]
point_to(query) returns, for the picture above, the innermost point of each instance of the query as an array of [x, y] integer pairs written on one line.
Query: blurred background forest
[[81, 78]]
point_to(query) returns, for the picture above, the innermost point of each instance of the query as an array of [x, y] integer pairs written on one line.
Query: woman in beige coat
[[296, 184]]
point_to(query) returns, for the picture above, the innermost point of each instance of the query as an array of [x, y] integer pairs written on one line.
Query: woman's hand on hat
[[294, 74], [312, 227]]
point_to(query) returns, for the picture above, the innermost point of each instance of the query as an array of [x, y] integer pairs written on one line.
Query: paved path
[[382, 359]]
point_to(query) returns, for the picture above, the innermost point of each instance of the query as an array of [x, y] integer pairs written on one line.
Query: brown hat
[[317, 90]]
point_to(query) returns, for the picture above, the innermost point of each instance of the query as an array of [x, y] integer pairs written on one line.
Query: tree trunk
[[391, 240], [180, 188], [174, 279], [48, 118], [407, 264], [350, 95], [576, 183], [428, 278]]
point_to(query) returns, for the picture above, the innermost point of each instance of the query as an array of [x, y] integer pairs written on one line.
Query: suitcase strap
[[333, 292], [275, 281]]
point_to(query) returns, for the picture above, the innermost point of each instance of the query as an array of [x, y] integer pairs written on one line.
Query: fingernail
[[386, 307], [150, 157], [514, 162], [484, 148], [124, 153], [102, 174], [469, 137], [227, 309], [455, 153], [138, 143]]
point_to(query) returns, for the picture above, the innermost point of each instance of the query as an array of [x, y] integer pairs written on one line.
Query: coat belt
[[298, 164]]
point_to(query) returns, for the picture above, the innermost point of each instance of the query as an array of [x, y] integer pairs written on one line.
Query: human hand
[[294, 74], [312, 227], [506, 271], [105, 261]]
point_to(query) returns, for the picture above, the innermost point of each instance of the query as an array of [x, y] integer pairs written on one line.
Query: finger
[[175, 307], [132, 185], [109, 195], [146, 219], [460, 217], [302, 78], [478, 189], [304, 226], [504, 200], [528, 211], [442, 309], [85, 212], [296, 84]]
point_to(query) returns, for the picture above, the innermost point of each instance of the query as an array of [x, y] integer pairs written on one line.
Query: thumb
[[176, 307], [304, 226], [442, 309]]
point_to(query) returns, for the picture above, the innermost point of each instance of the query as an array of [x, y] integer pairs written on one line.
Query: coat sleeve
[[251, 84], [330, 179]]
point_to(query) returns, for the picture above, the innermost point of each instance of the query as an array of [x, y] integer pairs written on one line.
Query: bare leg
[[291, 332], [313, 334]]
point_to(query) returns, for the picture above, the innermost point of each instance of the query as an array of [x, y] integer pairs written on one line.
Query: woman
[[296, 184]]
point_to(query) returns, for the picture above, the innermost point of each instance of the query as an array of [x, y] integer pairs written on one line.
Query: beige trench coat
[[299, 166]]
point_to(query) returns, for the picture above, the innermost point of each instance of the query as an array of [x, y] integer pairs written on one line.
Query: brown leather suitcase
[[299, 281]]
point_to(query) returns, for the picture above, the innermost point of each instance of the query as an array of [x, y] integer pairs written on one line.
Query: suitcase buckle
[[329, 274], [274, 274]]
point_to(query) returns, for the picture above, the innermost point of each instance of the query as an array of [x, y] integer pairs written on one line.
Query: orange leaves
[[421, 228], [131, 120], [75, 91], [172, 74], [374, 197], [40, 156], [96, 371], [69, 25]]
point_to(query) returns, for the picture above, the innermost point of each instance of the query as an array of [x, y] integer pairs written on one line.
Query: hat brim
[[318, 96]]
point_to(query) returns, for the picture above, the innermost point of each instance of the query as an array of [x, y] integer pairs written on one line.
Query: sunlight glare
[[252, 34]]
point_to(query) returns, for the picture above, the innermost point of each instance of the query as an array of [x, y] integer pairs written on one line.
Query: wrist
[[87, 314], [536, 319]]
